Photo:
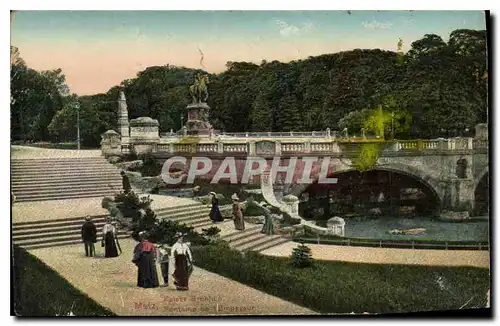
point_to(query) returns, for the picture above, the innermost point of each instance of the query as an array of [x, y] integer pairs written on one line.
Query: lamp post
[[182, 121], [392, 124], [77, 106]]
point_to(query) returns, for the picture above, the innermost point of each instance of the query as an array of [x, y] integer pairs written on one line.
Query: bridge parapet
[[318, 146]]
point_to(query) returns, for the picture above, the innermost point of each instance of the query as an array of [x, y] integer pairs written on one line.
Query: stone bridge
[[452, 169]]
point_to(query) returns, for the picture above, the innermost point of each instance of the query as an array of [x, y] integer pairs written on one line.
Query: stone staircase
[[196, 215], [62, 232], [63, 178]]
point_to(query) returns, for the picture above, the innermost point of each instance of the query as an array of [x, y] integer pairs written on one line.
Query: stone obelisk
[[123, 122]]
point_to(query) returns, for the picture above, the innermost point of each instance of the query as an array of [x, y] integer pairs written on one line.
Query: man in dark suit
[[125, 182], [89, 236]]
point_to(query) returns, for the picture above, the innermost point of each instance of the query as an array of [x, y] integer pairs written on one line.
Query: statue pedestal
[[197, 124]]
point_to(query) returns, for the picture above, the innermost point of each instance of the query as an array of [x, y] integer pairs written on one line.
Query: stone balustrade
[[290, 146]]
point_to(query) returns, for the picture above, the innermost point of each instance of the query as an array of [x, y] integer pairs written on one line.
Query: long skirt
[[239, 222], [110, 249], [268, 227], [147, 276], [181, 273], [215, 214]]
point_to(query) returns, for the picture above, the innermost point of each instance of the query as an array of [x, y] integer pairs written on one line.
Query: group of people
[[216, 216], [109, 238], [146, 254]]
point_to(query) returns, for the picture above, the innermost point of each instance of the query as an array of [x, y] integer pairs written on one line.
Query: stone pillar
[[462, 195], [292, 204], [251, 148], [278, 149], [220, 147], [123, 123], [307, 147], [111, 144], [144, 134], [328, 132]]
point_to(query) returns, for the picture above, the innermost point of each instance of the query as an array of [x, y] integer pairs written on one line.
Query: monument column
[[123, 123]]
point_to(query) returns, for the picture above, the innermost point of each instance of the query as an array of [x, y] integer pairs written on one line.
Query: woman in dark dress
[[215, 214], [109, 239], [183, 262], [145, 258]]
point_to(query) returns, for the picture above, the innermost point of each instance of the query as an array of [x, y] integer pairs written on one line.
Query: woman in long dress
[[239, 222], [268, 227], [215, 214], [183, 262], [145, 259], [109, 239]]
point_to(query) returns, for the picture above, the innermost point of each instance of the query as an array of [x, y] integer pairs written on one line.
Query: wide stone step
[[182, 217], [61, 220], [261, 241], [58, 241], [206, 222], [178, 208], [64, 176], [66, 227], [58, 159], [62, 186], [271, 244], [68, 187], [62, 165], [55, 234], [63, 195], [192, 220], [75, 178], [66, 172], [239, 235], [251, 238]]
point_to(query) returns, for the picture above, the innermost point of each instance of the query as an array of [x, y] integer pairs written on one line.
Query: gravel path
[[474, 258], [112, 283]]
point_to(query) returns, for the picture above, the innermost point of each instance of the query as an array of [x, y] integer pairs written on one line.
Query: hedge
[[40, 291], [340, 287]]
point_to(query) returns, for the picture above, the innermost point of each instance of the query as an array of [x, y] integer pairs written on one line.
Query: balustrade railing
[[209, 148], [288, 134], [321, 147], [235, 148], [291, 146]]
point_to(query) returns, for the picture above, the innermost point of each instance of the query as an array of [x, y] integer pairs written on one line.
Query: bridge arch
[[427, 180], [482, 193]]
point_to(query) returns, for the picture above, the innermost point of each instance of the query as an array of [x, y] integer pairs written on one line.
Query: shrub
[[253, 209], [164, 230], [302, 256], [211, 231], [130, 204]]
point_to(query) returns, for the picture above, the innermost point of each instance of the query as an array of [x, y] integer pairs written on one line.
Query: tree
[[261, 114], [289, 115]]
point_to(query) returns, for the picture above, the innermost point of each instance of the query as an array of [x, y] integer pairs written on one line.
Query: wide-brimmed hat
[[213, 193], [180, 234], [235, 197]]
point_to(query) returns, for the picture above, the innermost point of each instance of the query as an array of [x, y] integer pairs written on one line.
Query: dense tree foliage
[[436, 89]]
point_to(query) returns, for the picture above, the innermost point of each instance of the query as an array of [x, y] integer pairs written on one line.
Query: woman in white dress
[[183, 262]]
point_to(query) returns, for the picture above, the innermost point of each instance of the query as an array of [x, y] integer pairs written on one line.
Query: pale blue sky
[[116, 44]]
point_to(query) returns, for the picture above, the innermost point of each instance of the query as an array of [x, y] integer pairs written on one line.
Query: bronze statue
[[199, 90], [400, 45]]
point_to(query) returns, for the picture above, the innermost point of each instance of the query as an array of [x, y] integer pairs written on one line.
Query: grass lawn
[[40, 291], [340, 287]]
